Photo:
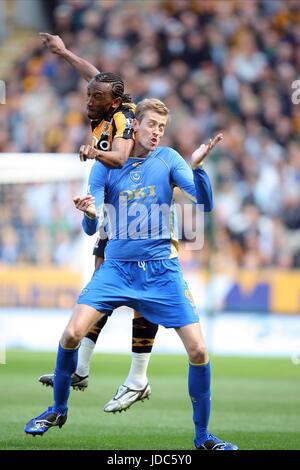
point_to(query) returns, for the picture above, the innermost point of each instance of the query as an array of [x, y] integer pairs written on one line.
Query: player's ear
[[116, 102], [135, 124]]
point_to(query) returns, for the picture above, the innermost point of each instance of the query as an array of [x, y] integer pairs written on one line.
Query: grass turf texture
[[255, 403]]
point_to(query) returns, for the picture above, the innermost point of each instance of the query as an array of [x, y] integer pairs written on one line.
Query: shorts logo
[[136, 176], [189, 296], [84, 291]]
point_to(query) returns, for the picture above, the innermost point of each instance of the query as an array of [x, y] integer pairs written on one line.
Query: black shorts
[[100, 247]]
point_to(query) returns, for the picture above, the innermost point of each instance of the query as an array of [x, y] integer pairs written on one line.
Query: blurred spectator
[[38, 223]]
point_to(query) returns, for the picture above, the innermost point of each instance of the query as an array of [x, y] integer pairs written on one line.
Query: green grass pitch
[[255, 403]]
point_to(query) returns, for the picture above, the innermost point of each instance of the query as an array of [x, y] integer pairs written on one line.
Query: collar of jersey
[[143, 159]]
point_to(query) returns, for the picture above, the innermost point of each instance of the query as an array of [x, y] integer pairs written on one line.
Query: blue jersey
[[139, 207]]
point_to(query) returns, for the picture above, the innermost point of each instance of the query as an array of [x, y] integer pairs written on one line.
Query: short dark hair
[[117, 85]]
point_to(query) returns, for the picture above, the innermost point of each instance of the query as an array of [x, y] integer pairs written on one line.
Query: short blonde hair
[[150, 104]]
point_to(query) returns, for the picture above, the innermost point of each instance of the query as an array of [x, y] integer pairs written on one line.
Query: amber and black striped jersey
[[117, 124]]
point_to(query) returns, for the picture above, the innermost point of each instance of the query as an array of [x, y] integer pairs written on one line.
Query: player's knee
[[71, 337], [198, 354]]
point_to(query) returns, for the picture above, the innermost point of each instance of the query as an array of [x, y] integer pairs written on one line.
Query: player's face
[[150, 130], [99, 100]]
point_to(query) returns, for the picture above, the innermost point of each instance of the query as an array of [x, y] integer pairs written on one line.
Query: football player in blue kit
[[141, 268]]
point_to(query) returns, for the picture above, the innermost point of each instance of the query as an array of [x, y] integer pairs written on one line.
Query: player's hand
[[201, 152], [87, 152], [54, 43], [86, 204]]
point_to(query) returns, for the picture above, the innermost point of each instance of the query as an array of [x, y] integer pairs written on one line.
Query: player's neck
[[139, 151]]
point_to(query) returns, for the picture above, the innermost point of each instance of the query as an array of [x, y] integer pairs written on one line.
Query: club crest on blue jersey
[[136, 176], [84, 291]]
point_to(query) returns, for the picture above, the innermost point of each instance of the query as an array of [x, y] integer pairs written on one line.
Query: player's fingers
[[84, 205], [209, 145], [45, 35], [85, 150], [81, 153], [44, 38], [78, 204], [88, 199], [216, 140]]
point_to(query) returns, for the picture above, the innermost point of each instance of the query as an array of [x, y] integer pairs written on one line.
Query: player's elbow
[[118, 162], [122, 159], [89, 229], [89, 232], [209, 203]]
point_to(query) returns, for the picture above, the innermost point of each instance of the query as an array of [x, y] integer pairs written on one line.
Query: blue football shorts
[[156, 289]]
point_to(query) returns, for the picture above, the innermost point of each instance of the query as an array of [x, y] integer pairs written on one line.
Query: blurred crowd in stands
[[218, 65], [38, 223]]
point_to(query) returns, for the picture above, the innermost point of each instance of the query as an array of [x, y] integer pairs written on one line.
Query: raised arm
[[201, 152], [196, 184], [56, 45]]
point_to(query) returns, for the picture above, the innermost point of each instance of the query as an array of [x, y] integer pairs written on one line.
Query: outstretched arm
[[56, 45], [201, 152], [196, 184]]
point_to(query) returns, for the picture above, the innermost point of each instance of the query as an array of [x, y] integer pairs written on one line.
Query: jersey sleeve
[[194, 183], [122, 124], [96, 187]]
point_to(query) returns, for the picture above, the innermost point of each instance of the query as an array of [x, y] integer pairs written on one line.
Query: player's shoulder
[[98, 170], [169, 155], [127, 110]]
